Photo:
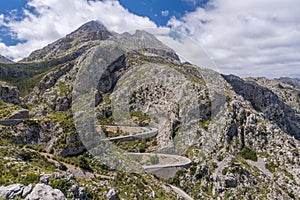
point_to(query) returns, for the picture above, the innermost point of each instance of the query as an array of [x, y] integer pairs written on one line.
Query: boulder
[[26, 190], [230, 181], [112, 194], [78, 192], [11, 191], [44, 178], [42, 191]]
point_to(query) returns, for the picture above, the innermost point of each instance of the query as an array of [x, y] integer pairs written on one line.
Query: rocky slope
[[242, 135]]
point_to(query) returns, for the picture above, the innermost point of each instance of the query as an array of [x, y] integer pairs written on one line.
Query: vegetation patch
[[205, 124], [224, 171], [138, 146], [60, 184], [140, 118], [271, 166], [248, 154], [6, 109]]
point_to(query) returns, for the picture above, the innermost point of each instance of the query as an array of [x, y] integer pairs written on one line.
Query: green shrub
[[154, 142], [83, 162], [143, 146], [291, 195], [60, 184], [248, 154], [205, 124], [26, 156], [140, 118], [220, 157], [193, 170], [142, 149], [2, 181], [62, 167], [39, 148], [224, 171], [30, 178], [271, 166]]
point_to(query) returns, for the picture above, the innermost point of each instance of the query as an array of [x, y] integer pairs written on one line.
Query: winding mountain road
[[173, 161], [167, 164]]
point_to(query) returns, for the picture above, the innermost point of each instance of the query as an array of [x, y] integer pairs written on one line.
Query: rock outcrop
[[11, 191], [42, 191], [266, 101], [9, 94], [112, 194]]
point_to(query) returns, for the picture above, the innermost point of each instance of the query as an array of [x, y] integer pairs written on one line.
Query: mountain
[[74, 43], [192, 132], [4, 60]]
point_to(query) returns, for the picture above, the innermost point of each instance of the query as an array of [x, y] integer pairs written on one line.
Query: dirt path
[[75, 170]]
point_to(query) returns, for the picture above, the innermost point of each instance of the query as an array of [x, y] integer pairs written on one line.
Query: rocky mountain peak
[[4, 60], [74, 44], [91, 26]]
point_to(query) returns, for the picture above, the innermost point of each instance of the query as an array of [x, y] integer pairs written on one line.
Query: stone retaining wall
[[11, 122]]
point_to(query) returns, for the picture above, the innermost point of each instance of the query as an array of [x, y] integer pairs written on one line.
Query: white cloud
[[57, 18], [187, 48], [1, 19], [248, 38], [165, 13]]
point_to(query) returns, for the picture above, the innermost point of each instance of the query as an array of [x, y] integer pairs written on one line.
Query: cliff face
[[280, 106], [242, 135]]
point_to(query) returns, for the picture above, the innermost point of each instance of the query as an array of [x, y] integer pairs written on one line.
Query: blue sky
[[160, 11], [247, 38], [12, 7]]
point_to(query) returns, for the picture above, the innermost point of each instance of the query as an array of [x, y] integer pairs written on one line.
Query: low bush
[[248, 154]]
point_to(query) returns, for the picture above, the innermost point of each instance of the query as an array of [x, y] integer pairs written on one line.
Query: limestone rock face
[[268, 102]]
